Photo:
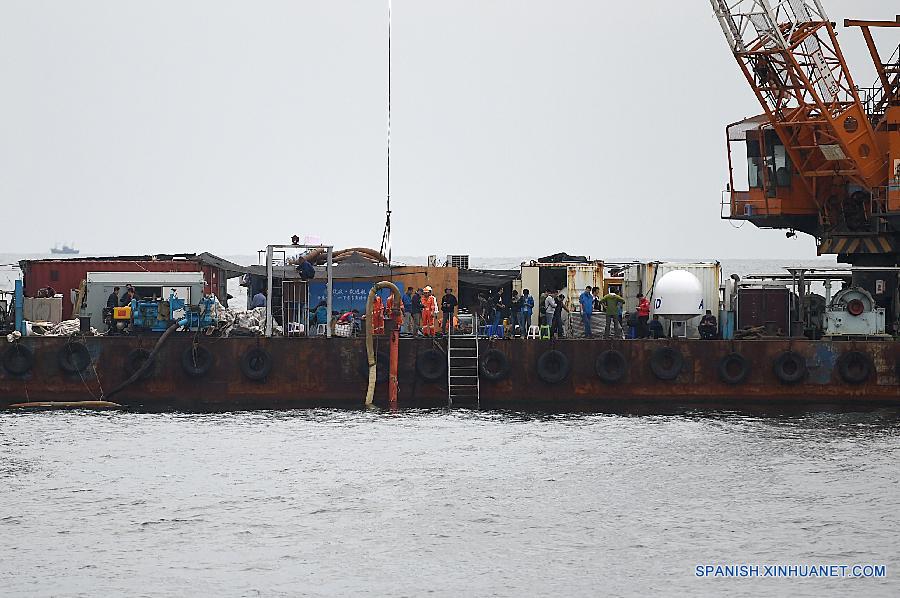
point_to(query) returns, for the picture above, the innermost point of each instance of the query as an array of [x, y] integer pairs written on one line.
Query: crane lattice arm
[[789, 53]]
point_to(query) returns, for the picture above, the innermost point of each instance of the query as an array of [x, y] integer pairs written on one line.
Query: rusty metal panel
[[755, 307], [578, 276], [332, 373]]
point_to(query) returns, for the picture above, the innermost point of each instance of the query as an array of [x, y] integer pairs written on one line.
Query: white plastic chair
[[534, 332]]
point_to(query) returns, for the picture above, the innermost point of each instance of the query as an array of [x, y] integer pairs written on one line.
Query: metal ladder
[[463, 383]]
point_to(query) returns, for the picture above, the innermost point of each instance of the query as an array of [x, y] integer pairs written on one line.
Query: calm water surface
[[326, 503]]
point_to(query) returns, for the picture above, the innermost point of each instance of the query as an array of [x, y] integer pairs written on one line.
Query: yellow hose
[[370, 332]]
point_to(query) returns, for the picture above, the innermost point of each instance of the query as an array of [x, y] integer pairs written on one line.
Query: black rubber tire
[[790, 367], [196, 361], [73, 358], [553, 366], [733, 369], [494, 365], [666, 363], [431, 365], [135, 359], [855, 367], [18, 359], [611, 366], [256, 364]]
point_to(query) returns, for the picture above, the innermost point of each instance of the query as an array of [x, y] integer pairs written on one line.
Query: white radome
[[678, 295]]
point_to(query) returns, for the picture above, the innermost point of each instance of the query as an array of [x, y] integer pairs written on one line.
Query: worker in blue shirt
[[305, 269], [527, 310], [587, 308], [406, 300], [259, 299]]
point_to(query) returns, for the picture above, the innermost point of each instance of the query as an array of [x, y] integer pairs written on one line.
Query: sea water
[[462, 503]]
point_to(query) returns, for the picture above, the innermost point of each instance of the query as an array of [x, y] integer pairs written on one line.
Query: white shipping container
[[641, 278]]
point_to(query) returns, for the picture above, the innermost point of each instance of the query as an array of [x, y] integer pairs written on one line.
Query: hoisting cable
[[386, 236]]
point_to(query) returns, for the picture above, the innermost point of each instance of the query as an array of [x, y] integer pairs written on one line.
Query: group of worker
[[611, 304], [114, 300], [421, 314], [420, 311]]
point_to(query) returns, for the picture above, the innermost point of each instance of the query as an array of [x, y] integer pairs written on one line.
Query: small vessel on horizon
[[64, 249]]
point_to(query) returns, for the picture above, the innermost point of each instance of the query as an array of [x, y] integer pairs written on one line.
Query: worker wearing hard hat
[[429, 312]]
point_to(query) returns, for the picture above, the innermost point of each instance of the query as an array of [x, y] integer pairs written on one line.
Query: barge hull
[[332, 373]]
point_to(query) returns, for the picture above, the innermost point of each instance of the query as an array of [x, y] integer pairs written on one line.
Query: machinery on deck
[[853, 312], [824, 157]]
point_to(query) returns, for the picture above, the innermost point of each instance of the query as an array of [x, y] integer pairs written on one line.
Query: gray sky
[[519, 128]]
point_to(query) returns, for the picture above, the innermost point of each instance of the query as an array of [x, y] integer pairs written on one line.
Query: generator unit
[[150, 316], [853, 312]]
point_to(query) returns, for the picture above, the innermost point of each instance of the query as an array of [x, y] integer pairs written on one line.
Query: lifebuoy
[[256, 364], [611, 366], [135, 359], [431, 365], [197, 360], [790, 367], [854, 367], [666, 363], [733, 368], [494, 365], [552, 366], [18, 359], [73, 358]]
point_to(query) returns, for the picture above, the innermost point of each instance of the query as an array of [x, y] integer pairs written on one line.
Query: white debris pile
[[64, 328], [249, 322]]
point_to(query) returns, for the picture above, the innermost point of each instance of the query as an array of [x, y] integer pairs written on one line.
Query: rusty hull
[[319, 372]]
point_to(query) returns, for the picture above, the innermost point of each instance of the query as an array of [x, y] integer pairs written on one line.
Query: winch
[[853, 312]]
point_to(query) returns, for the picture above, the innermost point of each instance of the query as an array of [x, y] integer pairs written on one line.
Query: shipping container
[[570, 278], [67, 274], [764, 306], [642, 278]]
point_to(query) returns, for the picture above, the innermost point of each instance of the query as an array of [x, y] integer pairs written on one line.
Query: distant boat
[[64, 250]]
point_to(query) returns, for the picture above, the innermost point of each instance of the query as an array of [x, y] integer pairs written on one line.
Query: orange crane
[[824, 157]]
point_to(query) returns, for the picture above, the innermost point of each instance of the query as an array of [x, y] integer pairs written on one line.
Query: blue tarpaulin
[[347, 295]]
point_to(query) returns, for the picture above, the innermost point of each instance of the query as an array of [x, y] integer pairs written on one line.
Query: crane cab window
[[770, 170]]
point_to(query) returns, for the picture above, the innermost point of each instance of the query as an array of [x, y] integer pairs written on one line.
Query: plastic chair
[[545, 332], [321, 329], [534, 332]]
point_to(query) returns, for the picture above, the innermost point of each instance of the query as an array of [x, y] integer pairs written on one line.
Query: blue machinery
[[156, 316], [20, 307]]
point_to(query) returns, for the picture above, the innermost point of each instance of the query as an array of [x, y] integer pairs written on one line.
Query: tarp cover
[[487, 279], [563, 258]]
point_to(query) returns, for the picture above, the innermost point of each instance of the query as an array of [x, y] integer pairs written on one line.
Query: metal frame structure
[[329, 272], [789, 53]]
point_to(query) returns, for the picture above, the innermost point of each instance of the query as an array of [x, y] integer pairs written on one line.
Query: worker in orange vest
[[389, 311], [429, 312], [378, 315]]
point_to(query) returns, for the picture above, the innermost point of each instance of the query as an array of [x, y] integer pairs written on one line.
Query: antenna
[[386, 236]]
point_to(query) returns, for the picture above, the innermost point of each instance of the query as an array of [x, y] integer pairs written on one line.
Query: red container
[[66, 274]]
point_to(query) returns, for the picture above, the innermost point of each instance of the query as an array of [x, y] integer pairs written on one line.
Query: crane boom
[[820, 159]]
